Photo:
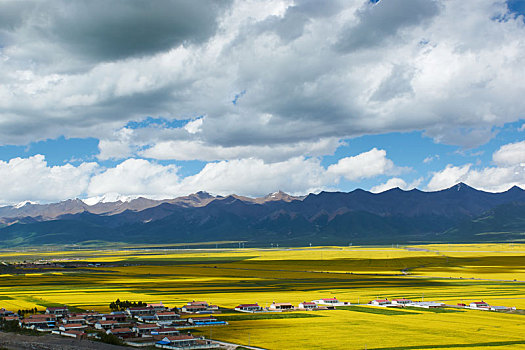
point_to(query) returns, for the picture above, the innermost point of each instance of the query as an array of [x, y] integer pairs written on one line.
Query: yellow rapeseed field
[[449, 273]]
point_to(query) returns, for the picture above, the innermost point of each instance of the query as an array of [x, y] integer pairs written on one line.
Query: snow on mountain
[[109, 198], [23, 204]]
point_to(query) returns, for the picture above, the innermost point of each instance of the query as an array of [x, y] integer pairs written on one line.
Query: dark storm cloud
[[382, 20], [102, 30], [11, 13]]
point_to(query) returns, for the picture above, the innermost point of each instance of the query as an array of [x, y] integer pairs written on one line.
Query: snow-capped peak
[[108, 198], [23, 204]]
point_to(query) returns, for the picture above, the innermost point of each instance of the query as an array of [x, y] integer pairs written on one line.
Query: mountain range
[[458, 214]]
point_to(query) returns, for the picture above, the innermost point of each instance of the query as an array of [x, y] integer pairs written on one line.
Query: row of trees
[[118, 305], [27, 311]]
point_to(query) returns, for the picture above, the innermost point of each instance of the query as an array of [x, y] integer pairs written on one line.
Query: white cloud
[[191, 149], [492, 179], [247, 176], [509, 171], [430, 158], [396, 182], [510, 154], [118, 147], [253, 177], [32, 179], [194, 126], [448, 177], [364, 165], [136, 177]]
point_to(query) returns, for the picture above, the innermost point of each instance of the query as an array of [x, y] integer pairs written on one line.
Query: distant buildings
[[402, 302], [59, 311], [150, 325], [479, 305], [426, 304], [307, 305], [249, 308], [159, 326], [281, 306], [199, 307], [331, 302], [379, 302]]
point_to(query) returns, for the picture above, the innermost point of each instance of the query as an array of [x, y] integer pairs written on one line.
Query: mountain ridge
[[359, 216]]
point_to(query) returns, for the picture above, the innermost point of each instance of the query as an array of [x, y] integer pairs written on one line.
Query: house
[[142, 329], [177, 342], [499, 308], [401, 302], [74, 334], [479, 305], [139, 311], [331, 302], [196, 320], [427, 304], [11, 318], [280, 306], [74, 319], [119, 317], [166, 317], [105, 325], [248, 308], [146, 318], [165, 331], [379, 302], [39, 321], [307, 305], [159, 307], [88, 315], [72, 326], [59, 311], [121, 332], [193, 308], [199, 307]]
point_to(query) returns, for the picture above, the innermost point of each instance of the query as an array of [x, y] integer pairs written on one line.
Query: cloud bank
[[36, 180], [278, 73]]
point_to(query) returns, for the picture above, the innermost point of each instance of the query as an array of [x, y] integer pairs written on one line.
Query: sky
[[104, 100]]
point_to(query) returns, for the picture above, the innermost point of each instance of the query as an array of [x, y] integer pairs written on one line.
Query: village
[[163, 327]]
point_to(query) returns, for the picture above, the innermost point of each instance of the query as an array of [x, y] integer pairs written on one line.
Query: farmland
[[89, 279]]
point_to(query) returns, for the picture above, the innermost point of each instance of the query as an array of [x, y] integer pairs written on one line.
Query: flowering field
[[227, 277]]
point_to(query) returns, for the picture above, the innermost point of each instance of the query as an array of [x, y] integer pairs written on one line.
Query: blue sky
[[253, 97]]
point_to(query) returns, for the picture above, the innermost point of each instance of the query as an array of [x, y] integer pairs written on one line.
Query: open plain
[[495, 273]]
